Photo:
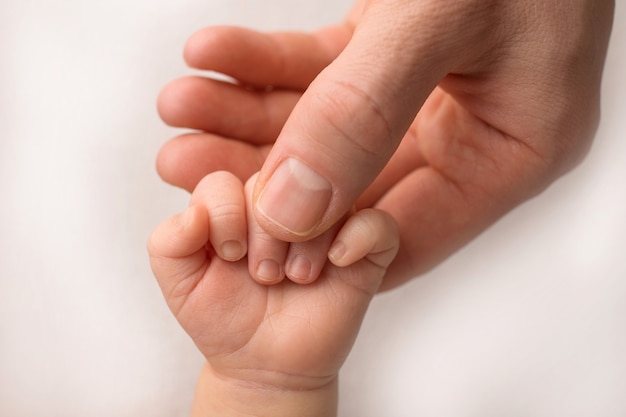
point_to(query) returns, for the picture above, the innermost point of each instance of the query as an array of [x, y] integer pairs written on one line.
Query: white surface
[[529, 320]]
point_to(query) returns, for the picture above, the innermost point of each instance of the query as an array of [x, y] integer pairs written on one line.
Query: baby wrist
[[217, 396]]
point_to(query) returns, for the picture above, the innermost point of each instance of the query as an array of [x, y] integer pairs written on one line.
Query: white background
[[528, 320]]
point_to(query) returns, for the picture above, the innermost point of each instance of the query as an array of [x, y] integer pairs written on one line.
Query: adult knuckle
[[357, 117]]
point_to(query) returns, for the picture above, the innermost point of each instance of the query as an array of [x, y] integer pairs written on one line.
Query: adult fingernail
[[295, 198]]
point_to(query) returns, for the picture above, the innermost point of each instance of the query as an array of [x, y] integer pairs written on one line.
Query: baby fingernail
[[336, 252], [268, 271], [299, 268], [295, 198], [232, 250]]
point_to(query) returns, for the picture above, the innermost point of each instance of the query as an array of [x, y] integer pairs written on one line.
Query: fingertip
[[370, 234], [387, 243], [181, 235], [267, 272], [266, 255], [172, 168], [202, 43], [178, 255], [196, 45], [221, 194], [184, 220], [174, 101], [163, 103], [301, 269], [337, 253], [232, 250]]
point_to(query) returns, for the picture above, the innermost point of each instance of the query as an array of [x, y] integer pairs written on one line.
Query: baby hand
[[287, 335]]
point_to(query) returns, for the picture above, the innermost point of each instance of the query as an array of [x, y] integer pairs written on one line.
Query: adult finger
[[349, 122], [226, 109], [280, 59], [185, 160]]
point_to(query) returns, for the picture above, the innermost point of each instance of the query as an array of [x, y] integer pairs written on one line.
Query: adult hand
[[484, 103]]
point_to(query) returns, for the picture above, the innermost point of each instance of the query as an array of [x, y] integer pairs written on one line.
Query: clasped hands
[[444, 114], [435, 116]]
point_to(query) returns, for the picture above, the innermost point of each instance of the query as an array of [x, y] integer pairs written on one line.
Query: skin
[[446, 115], [271, 349]]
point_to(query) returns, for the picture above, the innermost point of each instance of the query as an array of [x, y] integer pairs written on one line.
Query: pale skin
[[444, 114], [440, 115], [271, 350]]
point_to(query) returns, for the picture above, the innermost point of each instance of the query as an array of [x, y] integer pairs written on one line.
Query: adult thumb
[[348, 123]]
